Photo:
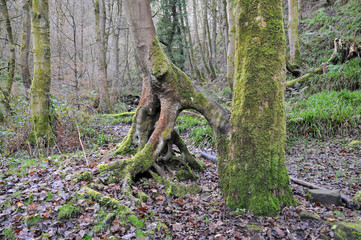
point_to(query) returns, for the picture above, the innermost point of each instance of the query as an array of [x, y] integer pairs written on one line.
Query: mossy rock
[[175, 189], [309, 215], [354, 144], [357, 198], [194, 189], [348, 230], [184, 175], [85, 176]]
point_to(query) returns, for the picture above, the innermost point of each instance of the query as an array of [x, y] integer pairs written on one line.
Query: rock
[[357, 198], [194, 189], [184, 175], [354, 144], [324, 196], [348, 230], [309, 215]]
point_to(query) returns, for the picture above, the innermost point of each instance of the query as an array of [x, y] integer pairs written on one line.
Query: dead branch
[[341, 52]]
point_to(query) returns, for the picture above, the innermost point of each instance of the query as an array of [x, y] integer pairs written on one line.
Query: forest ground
[[39, 199]]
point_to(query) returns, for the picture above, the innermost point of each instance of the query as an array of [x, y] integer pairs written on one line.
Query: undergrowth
[[319, 29], [200, 133], [68, 121], [327, 113], [338, 77]]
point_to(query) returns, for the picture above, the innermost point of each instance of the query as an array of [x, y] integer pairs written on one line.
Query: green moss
[[194, 189], [143, 196], [85, 176], [255, 176], [68, 211], [186, 174], [175, 189], [103, 167], [348, 230], [253, 228], [157, 178], [357, 198]]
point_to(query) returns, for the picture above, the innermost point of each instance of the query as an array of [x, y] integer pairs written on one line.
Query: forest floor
[[34, 192]]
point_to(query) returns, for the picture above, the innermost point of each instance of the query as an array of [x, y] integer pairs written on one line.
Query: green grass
[[338, 77], [318, 30], [200, 132], [325, 114]]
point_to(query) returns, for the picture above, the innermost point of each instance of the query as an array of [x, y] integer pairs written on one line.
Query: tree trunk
[[295, 55], [230, 47], [25, 46], [100, 21], [40, 88], [253, 158], [255, 176], [11, 64]]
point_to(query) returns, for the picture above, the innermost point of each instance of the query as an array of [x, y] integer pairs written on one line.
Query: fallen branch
[[344, 198], [123, 114], [208, 157], [342, 51]]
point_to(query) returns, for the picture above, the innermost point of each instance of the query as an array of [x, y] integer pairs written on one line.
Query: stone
[[325, 196], [348, 230], [309, 215]]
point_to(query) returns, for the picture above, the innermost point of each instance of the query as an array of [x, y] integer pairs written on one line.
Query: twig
[[81, 143]]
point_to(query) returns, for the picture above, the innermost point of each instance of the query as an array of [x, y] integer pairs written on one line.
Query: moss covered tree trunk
[[255, 144], [11, 64], [295, 55], [25, 46], [255, 176], [40, 88]]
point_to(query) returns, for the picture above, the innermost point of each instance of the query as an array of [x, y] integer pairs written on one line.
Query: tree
[[40, 87], [100, 23], [250, 144], [25, 46], [293, 31], [11, 64]]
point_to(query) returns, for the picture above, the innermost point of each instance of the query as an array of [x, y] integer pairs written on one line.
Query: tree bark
[[11, 64], [295, 55], [25, 47], [255, 175], [100, 23], [230, 46], [40, 88]]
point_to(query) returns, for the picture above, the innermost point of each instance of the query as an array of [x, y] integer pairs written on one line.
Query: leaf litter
[[31, 198]]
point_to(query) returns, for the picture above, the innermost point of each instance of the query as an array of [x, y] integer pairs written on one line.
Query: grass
[[327, 113], [200, 133], [338, 77]]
